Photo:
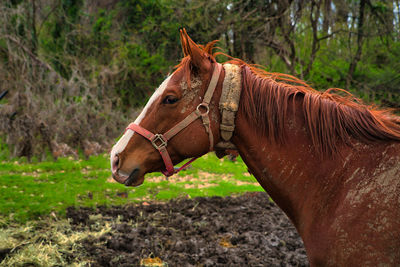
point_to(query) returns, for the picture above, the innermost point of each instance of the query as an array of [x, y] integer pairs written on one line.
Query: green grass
[[36, 190]]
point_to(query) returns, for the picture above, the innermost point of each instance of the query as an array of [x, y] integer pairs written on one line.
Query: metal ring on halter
[[203, 105], [158, 138]]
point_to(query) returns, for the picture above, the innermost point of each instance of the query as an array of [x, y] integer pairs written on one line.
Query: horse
[[329, 161]]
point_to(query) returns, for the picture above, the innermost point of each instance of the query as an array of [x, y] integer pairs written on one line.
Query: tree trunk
[[360, 40], [33, 28]]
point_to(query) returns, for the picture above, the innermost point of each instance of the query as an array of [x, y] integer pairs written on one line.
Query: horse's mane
[[331, 116]]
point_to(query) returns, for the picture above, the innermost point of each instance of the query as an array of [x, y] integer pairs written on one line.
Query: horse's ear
[[197, 55]]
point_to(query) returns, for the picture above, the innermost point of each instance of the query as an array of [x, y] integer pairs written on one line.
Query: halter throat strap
[[160, 141]]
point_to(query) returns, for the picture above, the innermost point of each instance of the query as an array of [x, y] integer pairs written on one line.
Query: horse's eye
[[169, 99]]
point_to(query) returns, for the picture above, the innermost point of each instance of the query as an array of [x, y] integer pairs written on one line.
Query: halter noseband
[[160, 141]]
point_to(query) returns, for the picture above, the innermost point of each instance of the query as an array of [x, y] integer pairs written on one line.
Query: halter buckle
[[203, 106], [158, 141]]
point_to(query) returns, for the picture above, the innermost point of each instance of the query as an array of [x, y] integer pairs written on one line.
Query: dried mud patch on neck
[[372, 207]]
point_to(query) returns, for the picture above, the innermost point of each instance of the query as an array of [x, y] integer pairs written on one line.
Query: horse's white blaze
[[124, 140], [160, 90]]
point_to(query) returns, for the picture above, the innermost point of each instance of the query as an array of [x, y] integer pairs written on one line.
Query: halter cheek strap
[[160, 141]]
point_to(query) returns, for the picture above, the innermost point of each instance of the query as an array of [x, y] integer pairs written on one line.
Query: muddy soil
[[247, 230]]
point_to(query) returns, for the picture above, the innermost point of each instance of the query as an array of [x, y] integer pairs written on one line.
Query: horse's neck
[[292, 173], [330, 199], [306, 185]]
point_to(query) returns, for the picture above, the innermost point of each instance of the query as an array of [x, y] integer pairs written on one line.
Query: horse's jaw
[[135, 178]]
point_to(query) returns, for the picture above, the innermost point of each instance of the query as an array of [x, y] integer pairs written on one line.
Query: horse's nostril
[[115, 163]]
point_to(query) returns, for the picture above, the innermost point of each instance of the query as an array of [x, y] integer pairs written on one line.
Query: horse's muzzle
[[132, 180], [123, 178]]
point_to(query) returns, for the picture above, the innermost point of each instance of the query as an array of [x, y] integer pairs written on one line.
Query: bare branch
[[30, 54]]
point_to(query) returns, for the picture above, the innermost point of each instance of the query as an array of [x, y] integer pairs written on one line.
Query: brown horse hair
[[330, 117]]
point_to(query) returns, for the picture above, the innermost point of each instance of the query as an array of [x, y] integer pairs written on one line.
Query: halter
[[160, 141]]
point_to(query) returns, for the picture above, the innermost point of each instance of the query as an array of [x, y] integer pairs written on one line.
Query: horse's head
[[174, 121]]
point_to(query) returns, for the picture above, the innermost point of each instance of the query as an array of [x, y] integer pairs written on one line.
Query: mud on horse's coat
[[330, 163]]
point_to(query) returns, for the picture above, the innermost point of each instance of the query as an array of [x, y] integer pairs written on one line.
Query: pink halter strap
[[160, 141]]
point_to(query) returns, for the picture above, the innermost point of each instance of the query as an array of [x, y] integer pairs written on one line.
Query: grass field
[[34, 196], [30, 191]]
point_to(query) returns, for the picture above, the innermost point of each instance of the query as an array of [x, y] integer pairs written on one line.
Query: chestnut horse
[[331, 163]]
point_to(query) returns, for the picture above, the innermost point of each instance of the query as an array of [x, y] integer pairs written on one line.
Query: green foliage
[[144, 71], [140, 40], [136, 48], [58, 38], [325, 76]]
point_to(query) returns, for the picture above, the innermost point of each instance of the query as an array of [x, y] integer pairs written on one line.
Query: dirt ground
[[248, 230]]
